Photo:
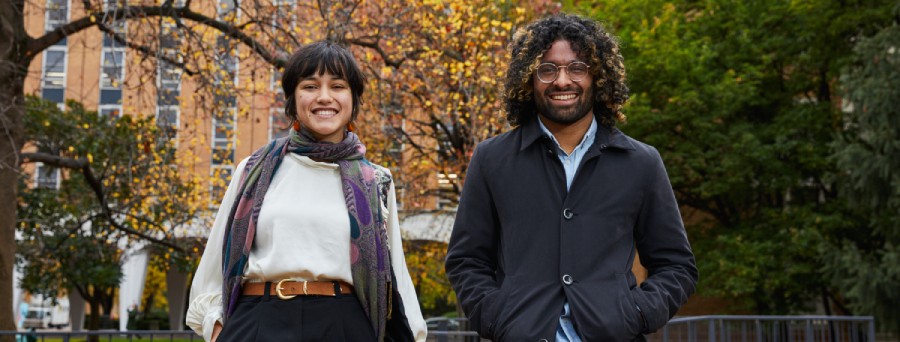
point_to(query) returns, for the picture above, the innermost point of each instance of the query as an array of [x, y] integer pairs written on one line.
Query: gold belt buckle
[[278, 289]]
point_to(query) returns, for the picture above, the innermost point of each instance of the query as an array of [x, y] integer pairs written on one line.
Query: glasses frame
[[557, 71]]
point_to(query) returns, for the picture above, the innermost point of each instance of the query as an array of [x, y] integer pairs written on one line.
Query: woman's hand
[[216, 330]]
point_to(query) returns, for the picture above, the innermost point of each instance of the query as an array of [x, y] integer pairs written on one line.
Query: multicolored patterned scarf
[[369, 254]]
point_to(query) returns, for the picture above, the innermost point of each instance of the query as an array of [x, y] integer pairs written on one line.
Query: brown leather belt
[[289, 288]]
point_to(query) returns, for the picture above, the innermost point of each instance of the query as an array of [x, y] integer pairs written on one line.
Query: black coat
[[521, 245]]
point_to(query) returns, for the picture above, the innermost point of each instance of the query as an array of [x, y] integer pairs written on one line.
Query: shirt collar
[[587, 139], [607, 136]]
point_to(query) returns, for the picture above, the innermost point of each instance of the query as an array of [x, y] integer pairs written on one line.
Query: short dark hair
[[317, 58], [587, 38]]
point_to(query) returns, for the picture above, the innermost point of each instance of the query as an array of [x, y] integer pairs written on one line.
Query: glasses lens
[[547, 72], [577, 71]]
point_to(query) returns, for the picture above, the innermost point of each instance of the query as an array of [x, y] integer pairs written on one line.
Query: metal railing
[[453, 336], [104, 335], [685, 329], [767, 329]]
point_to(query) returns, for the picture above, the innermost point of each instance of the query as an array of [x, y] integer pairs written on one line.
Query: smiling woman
[[325, 89], [299, 246]]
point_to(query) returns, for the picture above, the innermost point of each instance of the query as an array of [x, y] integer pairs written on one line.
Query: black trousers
[[299, 319]]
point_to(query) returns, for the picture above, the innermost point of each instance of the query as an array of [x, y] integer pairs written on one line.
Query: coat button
[[567, 213], [602, 146], [542, 340], [567, 279]]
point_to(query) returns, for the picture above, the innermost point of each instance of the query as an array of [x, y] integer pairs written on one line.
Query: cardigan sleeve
[[206, 289], [404, 282]]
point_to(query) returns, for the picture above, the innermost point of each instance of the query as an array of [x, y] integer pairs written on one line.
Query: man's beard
[[566, 116]]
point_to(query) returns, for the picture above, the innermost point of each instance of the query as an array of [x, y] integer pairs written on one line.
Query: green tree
[[738, 98], [865, 266], [118, 190]]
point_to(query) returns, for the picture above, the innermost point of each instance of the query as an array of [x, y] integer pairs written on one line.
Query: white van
[[43, 314]]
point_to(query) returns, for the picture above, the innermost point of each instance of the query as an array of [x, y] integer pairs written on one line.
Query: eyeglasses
[[548, 72]]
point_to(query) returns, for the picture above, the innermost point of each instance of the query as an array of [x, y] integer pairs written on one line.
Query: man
[[551, 211]]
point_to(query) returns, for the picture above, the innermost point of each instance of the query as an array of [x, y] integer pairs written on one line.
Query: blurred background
[[778, 122]]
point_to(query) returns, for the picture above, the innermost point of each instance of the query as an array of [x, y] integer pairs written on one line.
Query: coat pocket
[[496, 309], [631, 317]]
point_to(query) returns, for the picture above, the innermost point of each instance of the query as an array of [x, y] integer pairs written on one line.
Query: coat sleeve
[[206, 289], [472, 253], [404, 281], [664, 250]]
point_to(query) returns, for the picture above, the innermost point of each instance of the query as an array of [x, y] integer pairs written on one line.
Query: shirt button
[[567, 279], [567, 213], [568, 161]]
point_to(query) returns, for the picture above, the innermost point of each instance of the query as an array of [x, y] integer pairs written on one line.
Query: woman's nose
[[324, 96]]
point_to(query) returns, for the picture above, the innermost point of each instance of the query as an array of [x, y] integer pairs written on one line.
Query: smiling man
[[552, 212]]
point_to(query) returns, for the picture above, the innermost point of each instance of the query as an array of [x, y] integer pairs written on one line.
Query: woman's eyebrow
[[314, 76]]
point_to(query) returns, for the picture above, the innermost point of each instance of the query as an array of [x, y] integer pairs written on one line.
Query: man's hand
[[216, 330]]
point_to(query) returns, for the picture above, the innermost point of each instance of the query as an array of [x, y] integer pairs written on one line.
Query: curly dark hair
[[588, 39]]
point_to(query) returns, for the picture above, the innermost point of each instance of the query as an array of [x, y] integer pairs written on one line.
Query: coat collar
[[606, 136]]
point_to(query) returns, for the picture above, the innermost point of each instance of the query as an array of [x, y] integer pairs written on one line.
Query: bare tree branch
[[146, 50], [85, 167], [37, 45]]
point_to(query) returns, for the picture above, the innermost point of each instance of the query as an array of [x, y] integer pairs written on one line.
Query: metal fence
[[104, 335], [686, 329], [767, 329]]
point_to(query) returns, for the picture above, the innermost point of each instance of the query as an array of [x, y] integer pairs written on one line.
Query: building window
[[57, 14], [279, 125], [54, 74], [446, 198], [46, 177], [220, 176], [112, 70], [225, 106], [168, 98]]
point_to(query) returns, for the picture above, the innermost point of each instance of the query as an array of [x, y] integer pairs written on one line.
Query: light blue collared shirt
[[565, 332]]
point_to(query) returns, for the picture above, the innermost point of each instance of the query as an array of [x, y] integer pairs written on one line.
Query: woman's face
[[324, 106]]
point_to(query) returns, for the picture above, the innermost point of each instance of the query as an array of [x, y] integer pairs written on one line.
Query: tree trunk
[[12, 81], [95, 317], [13, 68]]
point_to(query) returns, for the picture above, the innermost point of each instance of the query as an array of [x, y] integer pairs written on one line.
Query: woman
[[308, 231]]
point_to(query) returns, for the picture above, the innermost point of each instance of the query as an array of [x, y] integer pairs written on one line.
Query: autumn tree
[[432, 67], [425, 260], [116, 191]]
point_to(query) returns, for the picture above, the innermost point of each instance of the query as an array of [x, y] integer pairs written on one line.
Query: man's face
[[563, 101]]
